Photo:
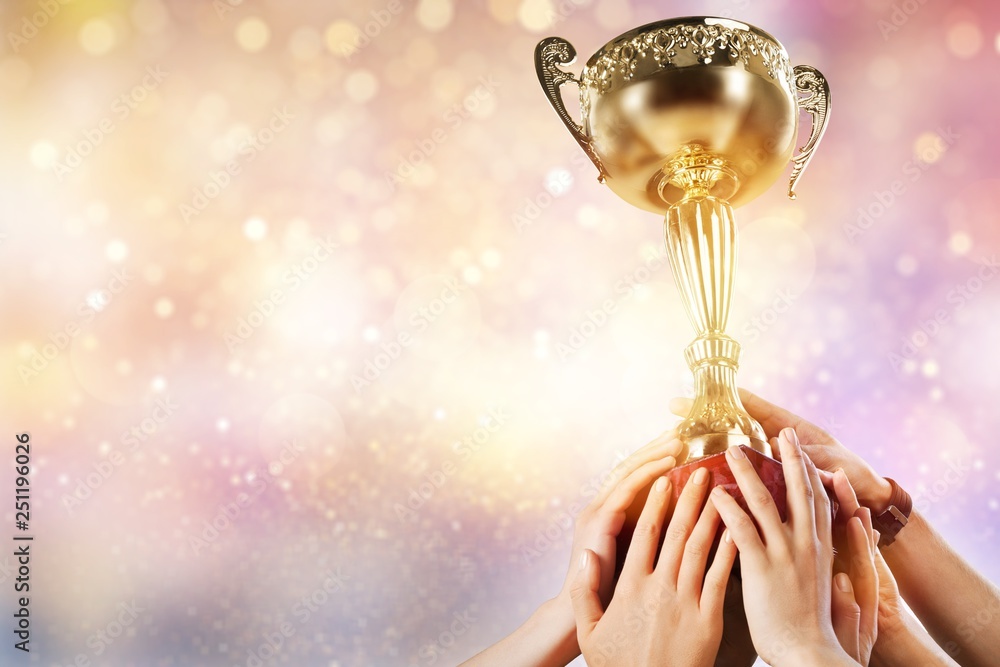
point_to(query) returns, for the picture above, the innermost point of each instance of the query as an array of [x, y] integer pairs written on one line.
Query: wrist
[[880, 496], [556, 616]]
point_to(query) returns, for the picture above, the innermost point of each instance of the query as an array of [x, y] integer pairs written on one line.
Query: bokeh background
[[298, 309]]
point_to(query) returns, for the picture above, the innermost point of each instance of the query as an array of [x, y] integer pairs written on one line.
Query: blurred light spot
[[929, 147], [153, 274], [163, 307], [906, 265], [341, 38], [490, 258], [97, 36], [930, 368], [252, 34], [222, 425], [503, 11], [97, 212], [159, 383], [589, 216], [960, 243], [536, 15], [98, 299], [558, 182], [123, 367], [371, 334], [472, 275], [330, 129], [883, 72], [440, 414], [305, 44], [964, 39], [434, 14], [255, 228], [43, 154], [116, 251], [361, 86]]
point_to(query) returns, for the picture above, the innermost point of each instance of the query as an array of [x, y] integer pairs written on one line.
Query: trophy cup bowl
[[688, 118]]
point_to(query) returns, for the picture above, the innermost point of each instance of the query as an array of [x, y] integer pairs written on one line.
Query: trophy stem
[[701, 238]]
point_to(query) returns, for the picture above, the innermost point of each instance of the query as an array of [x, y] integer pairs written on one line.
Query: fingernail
[[790, 435], [718, 491], [584, 557], [727, 537], [878, 537], [700, 476], [844, 583], [661, 485], [736, 453], [670, 461]]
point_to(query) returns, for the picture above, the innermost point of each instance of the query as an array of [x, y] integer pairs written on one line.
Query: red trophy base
[[768, 469]]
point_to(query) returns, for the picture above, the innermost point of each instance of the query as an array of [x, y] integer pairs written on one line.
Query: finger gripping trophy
[[690, 117]]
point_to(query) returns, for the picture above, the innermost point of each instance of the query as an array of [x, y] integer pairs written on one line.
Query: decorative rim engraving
[[662, 47]]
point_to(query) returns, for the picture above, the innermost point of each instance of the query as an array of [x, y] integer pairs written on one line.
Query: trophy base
[[770, 472]]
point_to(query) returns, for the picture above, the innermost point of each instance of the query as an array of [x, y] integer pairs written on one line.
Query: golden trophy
[[689, 117]]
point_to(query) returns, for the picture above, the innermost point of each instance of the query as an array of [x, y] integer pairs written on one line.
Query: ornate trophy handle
[[816, 101], [549, 54]]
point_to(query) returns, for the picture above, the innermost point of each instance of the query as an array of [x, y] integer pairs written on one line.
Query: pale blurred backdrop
[[300, 306]]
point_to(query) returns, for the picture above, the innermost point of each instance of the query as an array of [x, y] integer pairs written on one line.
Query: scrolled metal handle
[[810, 82], [549, 54]]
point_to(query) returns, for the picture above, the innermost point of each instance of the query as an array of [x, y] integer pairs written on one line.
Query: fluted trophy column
[[701, 236]]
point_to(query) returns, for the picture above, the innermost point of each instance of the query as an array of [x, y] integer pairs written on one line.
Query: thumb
[[846, 615], [586, 602]]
